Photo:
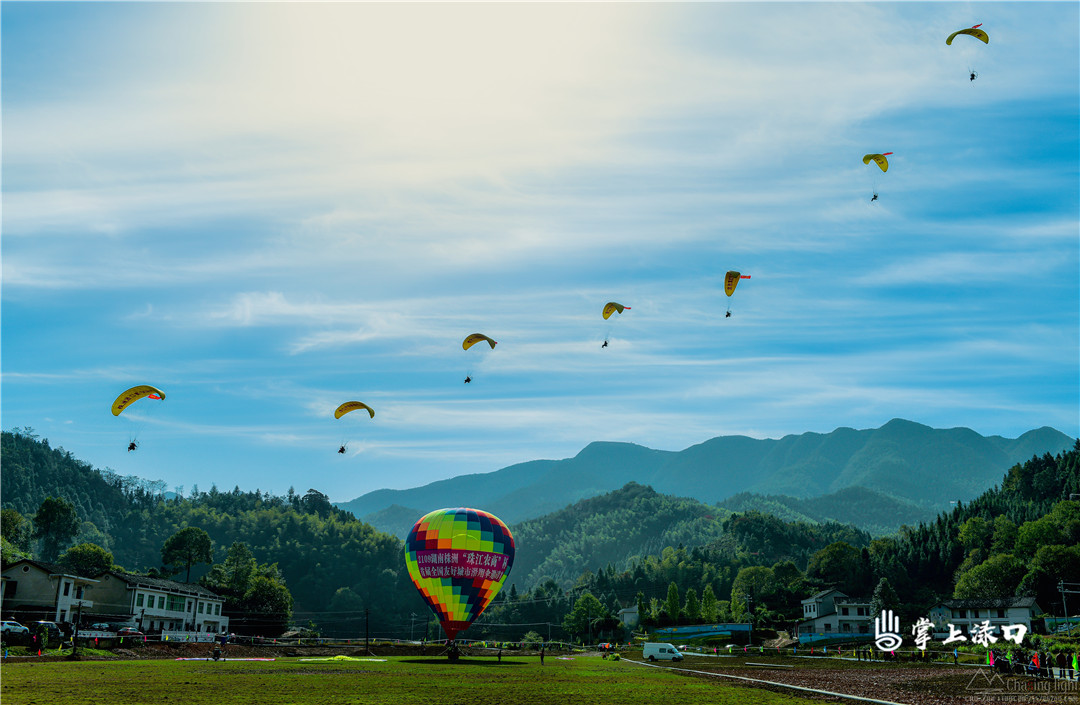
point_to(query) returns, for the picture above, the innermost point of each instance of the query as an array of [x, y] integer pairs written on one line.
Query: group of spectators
[[1040, 664]]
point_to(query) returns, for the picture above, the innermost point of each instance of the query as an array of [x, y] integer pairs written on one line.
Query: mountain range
[[915, 469]]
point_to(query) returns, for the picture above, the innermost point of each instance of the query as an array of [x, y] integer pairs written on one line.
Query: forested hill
[[916, 464], [619, 528], [329, 561]]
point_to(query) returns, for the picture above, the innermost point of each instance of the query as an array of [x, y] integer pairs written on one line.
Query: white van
[[661, 652]]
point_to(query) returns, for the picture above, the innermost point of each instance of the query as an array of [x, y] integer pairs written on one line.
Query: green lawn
[[472, 681]]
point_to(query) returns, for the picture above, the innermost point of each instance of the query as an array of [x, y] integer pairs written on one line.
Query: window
[[9, 588], [975, 614], [63, 615], [863, 629], [962, 614], [217, 610], [161, 602], [139, 600], [1001, 614], [79, 593], [844, 611], [190, 606], [828, 626], [845, 627], [176, 603], [67, 589]]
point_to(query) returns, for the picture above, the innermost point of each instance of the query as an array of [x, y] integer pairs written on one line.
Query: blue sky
[[269, 209]]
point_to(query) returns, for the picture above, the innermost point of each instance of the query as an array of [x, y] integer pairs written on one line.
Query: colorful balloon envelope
[[458, 559]]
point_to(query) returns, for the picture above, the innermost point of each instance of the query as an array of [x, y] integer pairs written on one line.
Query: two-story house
[[831, 615], [1000, 612], [35, 590], [160, 605]]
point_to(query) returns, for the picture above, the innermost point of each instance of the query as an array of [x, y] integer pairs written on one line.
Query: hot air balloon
[[458, 559]]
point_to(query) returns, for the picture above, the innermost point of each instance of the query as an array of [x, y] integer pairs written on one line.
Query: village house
[[35, 590], [830, 615], [160, 605], [999, 612]]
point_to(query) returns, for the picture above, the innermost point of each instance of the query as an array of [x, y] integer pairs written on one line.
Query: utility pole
[[412, 625], [367, 630], [75, 636]]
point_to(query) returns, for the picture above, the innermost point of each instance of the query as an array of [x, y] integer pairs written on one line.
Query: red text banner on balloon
[[450, 563]]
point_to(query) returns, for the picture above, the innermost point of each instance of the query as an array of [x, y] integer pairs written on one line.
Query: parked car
[[52, 629], [12, 627], [128, 631]]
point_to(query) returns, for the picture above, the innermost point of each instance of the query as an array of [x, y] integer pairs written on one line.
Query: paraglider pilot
[[468, 379], [132, 446], [727, 315], [604, 345], [874, 198], [341, 450]]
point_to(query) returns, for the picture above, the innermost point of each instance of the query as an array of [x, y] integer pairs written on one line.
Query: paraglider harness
[[217, 653]]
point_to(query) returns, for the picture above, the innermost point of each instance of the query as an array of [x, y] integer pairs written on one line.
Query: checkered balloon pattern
[[458, 560]]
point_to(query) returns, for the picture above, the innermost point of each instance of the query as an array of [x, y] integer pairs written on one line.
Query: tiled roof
[[823, 593], [992, 603], [163, 584]]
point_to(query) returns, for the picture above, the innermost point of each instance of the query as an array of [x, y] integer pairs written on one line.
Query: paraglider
[[348, 407], [476, 338], [611, 307], [971, 32], [472, 340], [458, 559], [129, 397], [882, 163], [731, 280], [353, 406], [878, 159]]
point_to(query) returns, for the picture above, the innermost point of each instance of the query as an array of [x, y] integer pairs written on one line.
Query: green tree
[[692, 608], [997, 576], [838, 564], [884, 598], [55, 523], [86, 559], [754, 586], [15, 528], [587, 611], [672, 604], [185, 548], [708, 605], [270, 602]]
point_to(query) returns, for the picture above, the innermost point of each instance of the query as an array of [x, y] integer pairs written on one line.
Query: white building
[[832, 615], [963, 614]]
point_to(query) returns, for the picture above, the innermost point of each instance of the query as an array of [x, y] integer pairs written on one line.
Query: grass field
[[472, 681]]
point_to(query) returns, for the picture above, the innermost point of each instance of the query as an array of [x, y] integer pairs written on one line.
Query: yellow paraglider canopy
[[134, 394], [970, 31], [878, 159], [476, 338], [731, 280], [611, 307], [352, 406]]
